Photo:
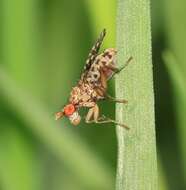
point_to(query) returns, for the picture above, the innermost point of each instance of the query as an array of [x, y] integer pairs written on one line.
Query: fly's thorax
[[81, 94], [75, 94]]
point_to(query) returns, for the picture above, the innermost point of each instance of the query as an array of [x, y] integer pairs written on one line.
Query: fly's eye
[[69, 109]]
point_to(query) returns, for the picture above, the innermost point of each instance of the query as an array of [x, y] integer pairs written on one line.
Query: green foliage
[[175, 59], [103, 15], [17, 160], [43, 47], [137, 167], [178, 84], [42, 53]]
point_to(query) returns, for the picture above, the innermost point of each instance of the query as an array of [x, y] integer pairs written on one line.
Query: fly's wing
[[102, 67], [93, 54]]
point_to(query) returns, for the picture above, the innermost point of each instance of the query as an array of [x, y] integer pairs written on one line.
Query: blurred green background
[[43, 47]]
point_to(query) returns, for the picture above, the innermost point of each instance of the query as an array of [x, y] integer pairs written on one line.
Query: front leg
[[118, 70]]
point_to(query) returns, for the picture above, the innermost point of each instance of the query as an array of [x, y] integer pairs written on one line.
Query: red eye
[[69, 109]]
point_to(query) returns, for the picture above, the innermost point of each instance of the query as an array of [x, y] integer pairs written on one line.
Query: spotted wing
[[93, 54], [103, 66]]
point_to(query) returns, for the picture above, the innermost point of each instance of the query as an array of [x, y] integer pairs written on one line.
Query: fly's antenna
[[95, 49]]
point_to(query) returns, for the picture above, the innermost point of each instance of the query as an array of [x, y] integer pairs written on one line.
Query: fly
[[92, 86]]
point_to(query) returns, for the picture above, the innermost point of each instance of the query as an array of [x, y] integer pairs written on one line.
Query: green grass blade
[[102, 15], [179, 91], [175, 28], [18, 164], [20, 41], [162, 181], [175, 59], [137, 162]]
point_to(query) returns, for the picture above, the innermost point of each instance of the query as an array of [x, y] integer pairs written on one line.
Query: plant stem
[[137, 162]]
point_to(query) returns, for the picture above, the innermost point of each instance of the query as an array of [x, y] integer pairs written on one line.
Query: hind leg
[[108, 120], [94, 113], [103, 120]]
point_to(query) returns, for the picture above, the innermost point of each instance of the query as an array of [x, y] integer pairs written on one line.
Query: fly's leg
[[103, 78], [94, 113], [118, 70], [102, 120], [101, 90], [89, 115], [108, 120], [125, 65], [115, 99]]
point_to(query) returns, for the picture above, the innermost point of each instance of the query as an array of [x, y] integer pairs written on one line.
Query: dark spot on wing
[[95, 76], [105, 54], [109, 56], [97, 62], [92, 69]]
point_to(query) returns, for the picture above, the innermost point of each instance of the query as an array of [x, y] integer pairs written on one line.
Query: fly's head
[[71, 112]]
